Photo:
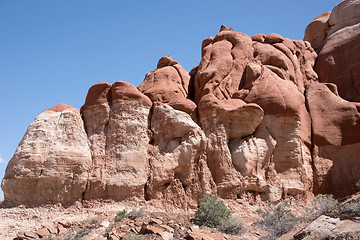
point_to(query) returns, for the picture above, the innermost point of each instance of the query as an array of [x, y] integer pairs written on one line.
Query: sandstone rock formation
[[335, 121], [253, 118], [249, 93], [168, 83], [336, 139], [52, 161], [336, 37], [116, 121]]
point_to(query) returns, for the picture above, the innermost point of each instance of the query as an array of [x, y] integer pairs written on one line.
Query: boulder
[[328, 227], [316, 31]]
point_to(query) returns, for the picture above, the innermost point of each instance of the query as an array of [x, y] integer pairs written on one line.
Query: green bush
[[212, 211], [321, 205], [120, 215], [277, 221], [231, 226], [136, 213]]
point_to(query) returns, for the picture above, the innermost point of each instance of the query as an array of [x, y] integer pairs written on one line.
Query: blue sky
[[52, 51]]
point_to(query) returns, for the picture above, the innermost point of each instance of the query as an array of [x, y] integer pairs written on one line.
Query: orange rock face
[[253, 118], [338, 47]]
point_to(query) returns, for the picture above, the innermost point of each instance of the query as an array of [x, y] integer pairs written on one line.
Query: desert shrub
[[136, 213], [81, 233], [211, 211], [277, 221], [351, 208], [120, 215], [95, 220], [231, 226], [321, 205], [68, 236], [133, 237]]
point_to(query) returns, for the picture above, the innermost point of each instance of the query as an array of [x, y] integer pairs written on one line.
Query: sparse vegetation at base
[[81, 233], [351, 209], [132, 237], [232, 226], [213, 213], [48, 238], [95, 220], [120, 215], [277, 221], [323, 204], [136, 213]]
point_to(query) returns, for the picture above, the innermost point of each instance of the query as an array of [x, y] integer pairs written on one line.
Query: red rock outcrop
[[335, 119], [251, 118], [316, 31], [336, 139], [251, 105], [338, 47], [168, 83]]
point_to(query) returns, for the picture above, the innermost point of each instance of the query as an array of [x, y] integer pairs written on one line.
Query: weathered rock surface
[[116, 121], [178, 172], [251, 106], [338, 46], [52, 161], [316, 32], [336, 139], [168, 83], [327, 227], [335, 119], [251, 118]]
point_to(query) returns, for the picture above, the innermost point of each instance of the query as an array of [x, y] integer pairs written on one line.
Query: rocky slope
[[256, 117]]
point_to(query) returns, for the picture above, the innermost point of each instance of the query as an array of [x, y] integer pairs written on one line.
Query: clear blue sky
[[52, 51]]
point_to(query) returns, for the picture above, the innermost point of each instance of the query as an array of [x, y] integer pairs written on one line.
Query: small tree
[[120, 215], [212, 211]]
